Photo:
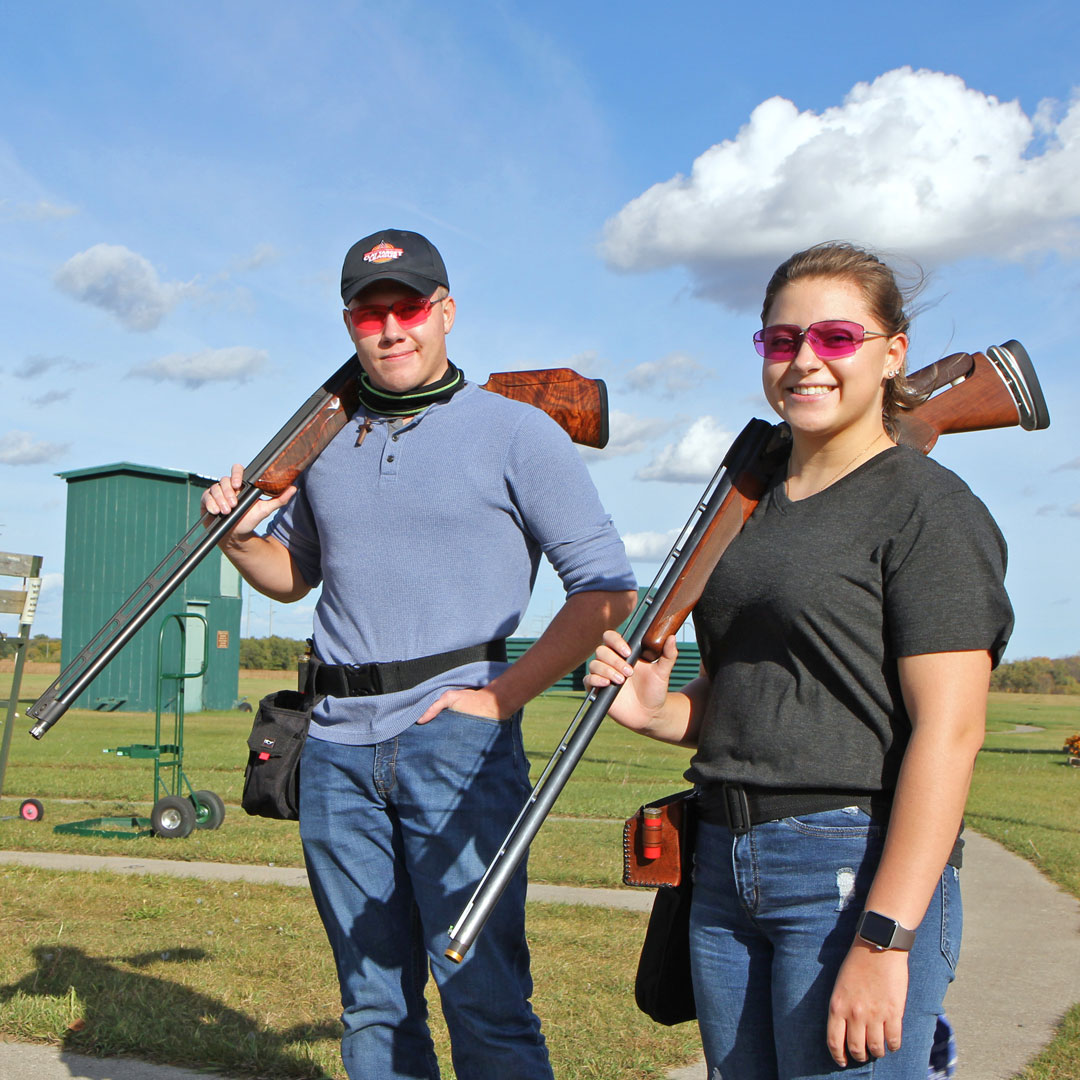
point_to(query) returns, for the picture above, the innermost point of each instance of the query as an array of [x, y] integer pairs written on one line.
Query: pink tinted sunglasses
[[831, 339]]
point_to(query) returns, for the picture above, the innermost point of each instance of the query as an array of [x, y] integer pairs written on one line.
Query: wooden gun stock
[[308, 432], [578, 404], [747, 487], [996, 389]]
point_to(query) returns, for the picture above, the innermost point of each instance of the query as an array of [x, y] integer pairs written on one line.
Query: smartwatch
[[883, 932]]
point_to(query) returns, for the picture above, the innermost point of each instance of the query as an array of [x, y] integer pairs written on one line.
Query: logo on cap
[[383, 252]]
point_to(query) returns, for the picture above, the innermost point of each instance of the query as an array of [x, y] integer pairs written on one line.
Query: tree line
[[270, 654], [1036, 675], [41, 647]]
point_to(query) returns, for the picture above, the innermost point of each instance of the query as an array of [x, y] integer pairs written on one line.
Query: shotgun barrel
[[323, 411], [962, 392]]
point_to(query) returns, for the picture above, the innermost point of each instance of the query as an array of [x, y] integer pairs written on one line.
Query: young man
[[424, 521]]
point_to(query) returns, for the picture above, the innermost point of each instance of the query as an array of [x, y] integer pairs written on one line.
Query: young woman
[[847, 638]]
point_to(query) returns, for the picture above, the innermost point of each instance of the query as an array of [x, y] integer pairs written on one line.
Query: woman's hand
[[866, 1010], [640, 704]]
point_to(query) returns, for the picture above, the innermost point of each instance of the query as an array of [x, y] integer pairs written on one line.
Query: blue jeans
[[772, 918], [396, 837]]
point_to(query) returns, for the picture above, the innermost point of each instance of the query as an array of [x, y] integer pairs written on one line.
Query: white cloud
[[914, 161], [20, 448], [588, 363], [694, 458], [42, 210], [673, 374], [121, 282], [629, 434], [234, 364], [262, 255], [651, 547]]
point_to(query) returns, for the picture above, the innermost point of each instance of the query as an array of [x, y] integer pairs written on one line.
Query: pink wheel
[[31, 810]]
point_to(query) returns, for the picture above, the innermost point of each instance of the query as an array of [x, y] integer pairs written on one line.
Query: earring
[[892, 374]]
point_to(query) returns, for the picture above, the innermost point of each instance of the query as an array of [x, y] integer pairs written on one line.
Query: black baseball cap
[[393, 255]]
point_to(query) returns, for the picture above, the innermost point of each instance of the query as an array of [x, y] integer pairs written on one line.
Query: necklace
[[836, 476]]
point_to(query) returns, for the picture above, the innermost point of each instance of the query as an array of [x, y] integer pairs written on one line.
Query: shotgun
[[962, 392], [577, 404]]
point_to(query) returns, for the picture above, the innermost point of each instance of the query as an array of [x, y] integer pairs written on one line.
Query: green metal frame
[[168, 758]]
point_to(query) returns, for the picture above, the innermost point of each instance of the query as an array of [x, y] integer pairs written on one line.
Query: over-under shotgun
[[963, 392], [578, 404]]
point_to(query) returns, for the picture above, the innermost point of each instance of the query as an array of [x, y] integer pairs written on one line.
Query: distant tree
[[271, 653], [41, 647], [1038, 675]]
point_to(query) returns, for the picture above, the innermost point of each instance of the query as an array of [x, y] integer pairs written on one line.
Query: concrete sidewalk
[[1019, 966]]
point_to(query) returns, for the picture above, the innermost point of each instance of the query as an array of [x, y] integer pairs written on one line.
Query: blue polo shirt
[[427, 537]]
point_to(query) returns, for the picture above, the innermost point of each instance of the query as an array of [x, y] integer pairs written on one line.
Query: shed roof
[[134, 468]]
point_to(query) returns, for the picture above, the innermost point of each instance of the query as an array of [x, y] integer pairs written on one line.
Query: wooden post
[[22, 603]]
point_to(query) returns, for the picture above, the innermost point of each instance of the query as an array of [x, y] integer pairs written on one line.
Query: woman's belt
[[365, 680], [738, 806]]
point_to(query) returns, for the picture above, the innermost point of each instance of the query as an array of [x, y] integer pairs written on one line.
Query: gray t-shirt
[[802, 621]]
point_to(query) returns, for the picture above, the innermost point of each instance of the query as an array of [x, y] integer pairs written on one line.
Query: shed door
[[195, 655]]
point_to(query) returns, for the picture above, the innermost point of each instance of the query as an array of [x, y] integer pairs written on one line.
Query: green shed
[[122, 520]]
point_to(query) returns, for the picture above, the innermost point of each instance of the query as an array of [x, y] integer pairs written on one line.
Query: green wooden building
[[122, 520]]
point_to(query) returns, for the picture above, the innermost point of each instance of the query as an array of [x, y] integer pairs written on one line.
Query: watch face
[[877, 929]]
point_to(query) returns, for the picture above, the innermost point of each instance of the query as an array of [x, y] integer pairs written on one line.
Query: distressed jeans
[[396, 837], [773, 916]]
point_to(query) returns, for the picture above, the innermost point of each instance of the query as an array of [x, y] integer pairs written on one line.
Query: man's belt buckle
[[737, 808], [363, 680]]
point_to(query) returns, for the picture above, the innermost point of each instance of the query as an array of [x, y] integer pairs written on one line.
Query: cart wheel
[[172, 816], [31, 810], [209, 809]]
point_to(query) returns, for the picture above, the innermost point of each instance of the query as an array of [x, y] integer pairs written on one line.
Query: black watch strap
[[884, 933]]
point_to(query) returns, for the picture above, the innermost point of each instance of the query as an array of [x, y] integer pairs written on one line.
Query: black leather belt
[[738, 806], [365, 680]]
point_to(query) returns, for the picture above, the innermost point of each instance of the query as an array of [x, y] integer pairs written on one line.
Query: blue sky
[[609, 185]]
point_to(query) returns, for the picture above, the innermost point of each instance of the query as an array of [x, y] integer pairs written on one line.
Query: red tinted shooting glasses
[[409, 312]]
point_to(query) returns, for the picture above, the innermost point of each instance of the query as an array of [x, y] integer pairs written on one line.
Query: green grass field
[[238, 978]]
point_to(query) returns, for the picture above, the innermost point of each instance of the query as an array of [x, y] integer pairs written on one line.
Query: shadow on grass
[[122, 1010], [1017, 750], [974, 818]]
